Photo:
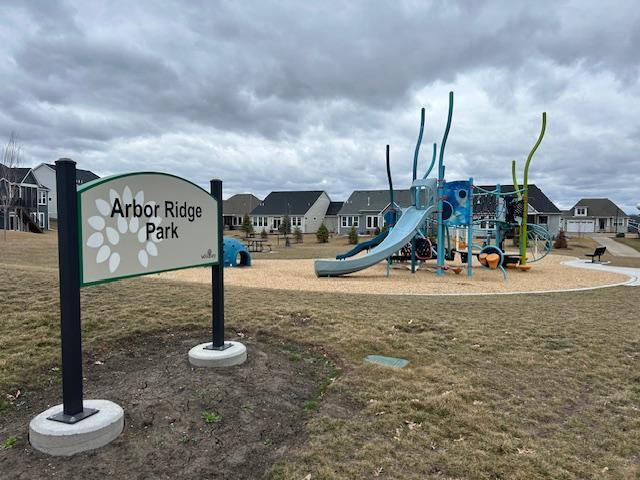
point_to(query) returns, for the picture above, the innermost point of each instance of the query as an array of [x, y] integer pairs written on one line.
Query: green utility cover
[[387, 361]]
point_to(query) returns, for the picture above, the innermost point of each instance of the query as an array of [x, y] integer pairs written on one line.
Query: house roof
[[240, 204], [537, 199], [23, 174], [287, 203], [598, 207], [82, 176], [362, 201], [334, 208]]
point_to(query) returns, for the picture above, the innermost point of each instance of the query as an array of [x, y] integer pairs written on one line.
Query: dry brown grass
[[515, 387]]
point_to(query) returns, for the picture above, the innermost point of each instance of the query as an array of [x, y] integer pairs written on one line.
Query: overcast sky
[[305, 95]]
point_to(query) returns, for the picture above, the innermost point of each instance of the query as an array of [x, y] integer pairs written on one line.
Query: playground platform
[[548, 275]]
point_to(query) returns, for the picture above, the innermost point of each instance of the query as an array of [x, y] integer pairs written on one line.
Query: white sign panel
[[142, 223]]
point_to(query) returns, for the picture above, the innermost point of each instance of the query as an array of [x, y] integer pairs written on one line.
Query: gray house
[[365, 209], [331, 217], [28, 206], [594, 215], [306, 210], [236, 207], [45, 173], [542, 211]]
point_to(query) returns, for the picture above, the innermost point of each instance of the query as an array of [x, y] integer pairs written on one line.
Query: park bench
[[598, 252]]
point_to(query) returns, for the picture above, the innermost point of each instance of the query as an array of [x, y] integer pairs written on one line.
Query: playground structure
[[236, 253], [444, 206]]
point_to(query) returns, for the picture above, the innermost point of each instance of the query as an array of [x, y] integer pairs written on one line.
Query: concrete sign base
[[236, 354], [62, 439]]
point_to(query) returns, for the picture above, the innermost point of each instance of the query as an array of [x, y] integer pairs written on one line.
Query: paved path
[[632, 273], [616, 249]]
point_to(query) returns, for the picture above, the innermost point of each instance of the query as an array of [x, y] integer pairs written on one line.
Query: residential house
[[236, 207], [28, 209], [541, 210], [365, 209], [306, 210], [593, 215], [331, 217], [45, 173]]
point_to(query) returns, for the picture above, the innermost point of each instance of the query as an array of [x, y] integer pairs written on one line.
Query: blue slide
[[406, 228], [368, 245]]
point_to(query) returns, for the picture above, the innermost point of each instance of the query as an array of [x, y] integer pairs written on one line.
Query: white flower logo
[[106, 238]]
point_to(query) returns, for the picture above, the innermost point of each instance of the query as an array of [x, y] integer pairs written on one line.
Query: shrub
[[322, 234], [561, 240], [247, 226], [376, 231], [353, 236], [263, 234], [620, 235], [297, 234], [285, 226]]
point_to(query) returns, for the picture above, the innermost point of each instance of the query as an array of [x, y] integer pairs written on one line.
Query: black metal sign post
[[69, 268], [217, 278]]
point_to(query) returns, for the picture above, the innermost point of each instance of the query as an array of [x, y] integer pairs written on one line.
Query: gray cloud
[[288, 95]]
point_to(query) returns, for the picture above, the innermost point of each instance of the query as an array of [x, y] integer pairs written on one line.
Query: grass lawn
[[518, 387]]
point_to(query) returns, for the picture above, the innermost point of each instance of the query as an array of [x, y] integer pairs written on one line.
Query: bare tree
[[9, 178]]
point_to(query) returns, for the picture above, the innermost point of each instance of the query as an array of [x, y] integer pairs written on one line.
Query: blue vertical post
[[470, 231]]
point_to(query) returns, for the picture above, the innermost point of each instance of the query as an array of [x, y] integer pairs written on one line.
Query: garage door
[[578, 226]]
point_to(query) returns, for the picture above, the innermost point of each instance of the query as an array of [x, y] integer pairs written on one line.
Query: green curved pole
[[433, 160], [417, 151], [516, 187], [525, 196]]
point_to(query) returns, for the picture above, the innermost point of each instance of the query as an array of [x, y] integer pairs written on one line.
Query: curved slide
[[368, 245], [401, 234]]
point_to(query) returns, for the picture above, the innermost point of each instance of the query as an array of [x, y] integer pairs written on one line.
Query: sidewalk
[[632, 273], [616, 249]]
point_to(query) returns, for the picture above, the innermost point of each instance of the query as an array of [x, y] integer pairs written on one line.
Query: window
[[581, 211], [350, 221], [42, 197], [543, 219], [296, 221], [259, 221], [372, 221]]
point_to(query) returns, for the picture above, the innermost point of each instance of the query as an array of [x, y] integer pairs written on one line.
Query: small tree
[[297, 234], [285, 226], [322, 234], [353, 236], [9, 188], [263, 234], [247, 225], [561, 240]]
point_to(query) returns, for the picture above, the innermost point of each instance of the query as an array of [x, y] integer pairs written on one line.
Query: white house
[[593, 215], [45, 173], [306, 210]]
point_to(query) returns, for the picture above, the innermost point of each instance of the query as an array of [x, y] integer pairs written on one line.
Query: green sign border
[[99, 181]]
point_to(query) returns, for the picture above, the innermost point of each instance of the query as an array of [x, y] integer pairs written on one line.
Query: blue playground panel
[[235, 253]]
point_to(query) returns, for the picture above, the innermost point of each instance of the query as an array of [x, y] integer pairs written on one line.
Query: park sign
[[119, 227], [141, 223]]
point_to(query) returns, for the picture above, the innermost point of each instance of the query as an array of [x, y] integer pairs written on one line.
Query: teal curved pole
[[440, 249], [417, 150], [389, 178], [433, 160]]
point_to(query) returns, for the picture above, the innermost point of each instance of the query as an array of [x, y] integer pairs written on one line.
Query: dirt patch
[[257, 412], [548, 274]]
